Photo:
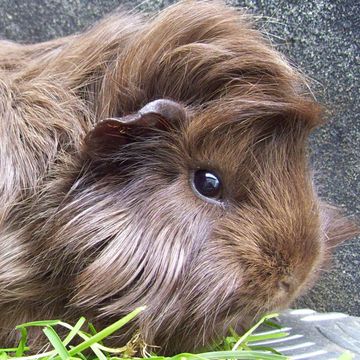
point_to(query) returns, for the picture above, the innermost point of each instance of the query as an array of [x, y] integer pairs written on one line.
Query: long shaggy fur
[[99, 235]]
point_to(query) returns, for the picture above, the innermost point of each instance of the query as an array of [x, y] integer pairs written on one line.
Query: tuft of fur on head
[[98, 214]]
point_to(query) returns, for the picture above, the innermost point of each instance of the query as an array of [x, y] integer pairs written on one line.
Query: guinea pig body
[[158, 162]]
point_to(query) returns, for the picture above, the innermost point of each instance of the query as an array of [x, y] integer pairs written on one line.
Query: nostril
[[285, 285]]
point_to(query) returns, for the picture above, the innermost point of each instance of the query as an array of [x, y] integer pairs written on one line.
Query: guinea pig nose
[[285, 284]]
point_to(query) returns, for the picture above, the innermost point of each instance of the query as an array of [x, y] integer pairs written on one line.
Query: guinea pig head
[[206, 215]]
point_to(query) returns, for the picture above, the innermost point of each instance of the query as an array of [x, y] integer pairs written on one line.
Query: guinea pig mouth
[[241, 326]]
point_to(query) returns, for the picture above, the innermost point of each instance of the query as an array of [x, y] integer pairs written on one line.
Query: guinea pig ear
[[110, 134], [337, 227]]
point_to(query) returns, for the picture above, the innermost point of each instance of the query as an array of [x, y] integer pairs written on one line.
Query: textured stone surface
[[322, 38]]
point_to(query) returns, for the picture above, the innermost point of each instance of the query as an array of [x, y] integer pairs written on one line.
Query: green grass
[[90, 343]]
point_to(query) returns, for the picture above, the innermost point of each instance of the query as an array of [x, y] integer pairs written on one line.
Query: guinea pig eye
[[207, 184]]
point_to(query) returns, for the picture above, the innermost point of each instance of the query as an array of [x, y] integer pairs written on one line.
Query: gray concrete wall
[[322, 38]]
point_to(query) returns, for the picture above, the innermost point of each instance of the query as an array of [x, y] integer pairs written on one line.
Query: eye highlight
[[207, 185]]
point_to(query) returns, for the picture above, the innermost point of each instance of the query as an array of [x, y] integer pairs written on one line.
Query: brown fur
[[99, 235]]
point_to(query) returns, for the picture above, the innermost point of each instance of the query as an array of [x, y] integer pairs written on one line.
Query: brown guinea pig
[[160, 162]]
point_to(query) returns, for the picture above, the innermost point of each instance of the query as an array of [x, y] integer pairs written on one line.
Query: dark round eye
[[207, 184]]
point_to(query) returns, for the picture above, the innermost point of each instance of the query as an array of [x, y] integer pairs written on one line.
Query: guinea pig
[[158, 161]]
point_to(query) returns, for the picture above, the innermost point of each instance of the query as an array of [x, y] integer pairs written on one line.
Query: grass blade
[[38, 323], [264, 348], [244, 337], [56, 342], [106, 332], [22, 343], [346, 356], [272, 324], [260, 337], [74, 331], [26, 348], [92, 329]]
